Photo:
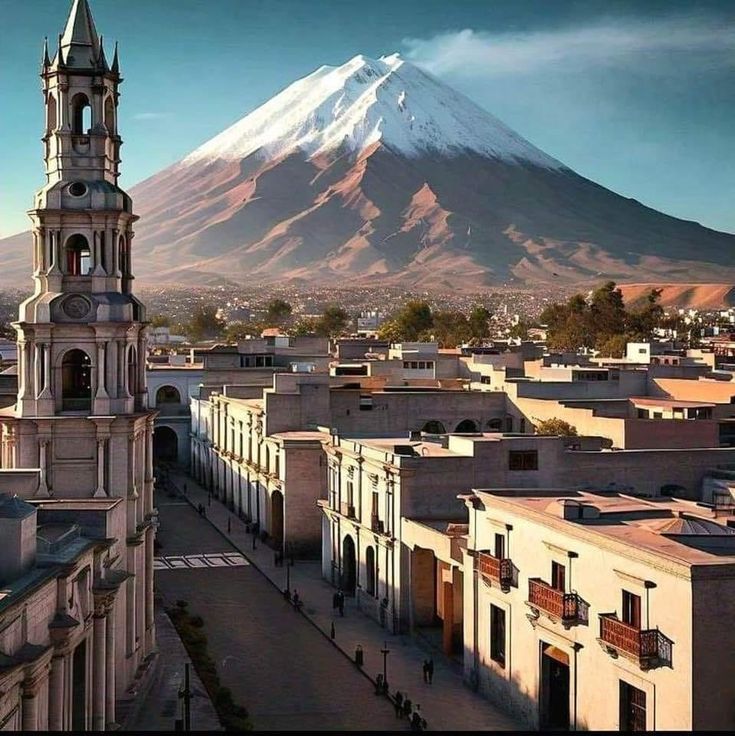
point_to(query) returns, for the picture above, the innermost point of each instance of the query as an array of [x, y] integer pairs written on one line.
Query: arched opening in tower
[[78, 257], [81, 114], [76, 381]]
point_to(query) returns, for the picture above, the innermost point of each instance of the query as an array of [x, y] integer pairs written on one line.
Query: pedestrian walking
[[335, 600], [341, 603], [296, 600], [430, 670], [229, 525], [398, 700], [426, 670], [407, 707]]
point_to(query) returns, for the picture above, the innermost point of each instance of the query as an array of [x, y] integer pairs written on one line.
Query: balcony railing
[[495, 569], [347, 510], [569, 608], [650, 647], [376, 524]]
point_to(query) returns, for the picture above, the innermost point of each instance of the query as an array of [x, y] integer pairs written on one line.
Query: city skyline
[[633, 98]]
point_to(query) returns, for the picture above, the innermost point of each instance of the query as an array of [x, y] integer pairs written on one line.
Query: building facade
[[81, 416]]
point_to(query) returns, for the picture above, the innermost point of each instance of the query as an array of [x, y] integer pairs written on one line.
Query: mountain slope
[[377, 172]]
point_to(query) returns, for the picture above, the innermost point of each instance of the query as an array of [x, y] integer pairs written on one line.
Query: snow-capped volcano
[[364, 102], [377, 172]]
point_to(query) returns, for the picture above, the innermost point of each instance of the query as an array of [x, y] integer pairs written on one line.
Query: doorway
[[554, 702], [349, 577], [79, 688]]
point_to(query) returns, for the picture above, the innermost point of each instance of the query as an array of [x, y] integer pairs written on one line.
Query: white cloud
[[634, 42]]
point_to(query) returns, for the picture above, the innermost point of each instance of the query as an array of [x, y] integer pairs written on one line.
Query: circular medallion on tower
[[77, 189], [76, 307]]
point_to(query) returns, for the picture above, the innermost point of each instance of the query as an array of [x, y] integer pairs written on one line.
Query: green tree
[[479, 322], [205, 324], [414, 319], [613, 346], [520, 330], [449, 329], [278, 311], [644, 320], [556, 427], [333, 321], [390, 330]]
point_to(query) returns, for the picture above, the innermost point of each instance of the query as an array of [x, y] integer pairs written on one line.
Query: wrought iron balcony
[[347, 510], [568, 608], [495, 570], [649, 647], [376, 524]]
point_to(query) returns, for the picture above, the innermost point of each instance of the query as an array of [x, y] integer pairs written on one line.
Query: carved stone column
[[99, 655], [56, 693], [29, 717], [43, 489], [101, 455], [110, 667], [101, 373]]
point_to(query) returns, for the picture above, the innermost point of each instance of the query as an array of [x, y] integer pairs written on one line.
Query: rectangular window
[[558, 576], [523, 460], [632, 708], [632, 609], [497, 635], [500, 546]]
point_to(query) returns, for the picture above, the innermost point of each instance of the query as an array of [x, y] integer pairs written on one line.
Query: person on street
[[426, 670], [341, 603], [407, 707], [430, 669], [398, 700]]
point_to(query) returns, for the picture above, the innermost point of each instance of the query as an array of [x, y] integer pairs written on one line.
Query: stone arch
[[168, 395], [132, 370], [434, 426], [78, 257], [52, 119], [467, 426], [110, 114], [349, 566], [81, 114], [370, 572], [276, 530], [76, 381], [165, 445]]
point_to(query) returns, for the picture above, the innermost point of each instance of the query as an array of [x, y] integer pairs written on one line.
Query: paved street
[[446, 705], [277, 664]]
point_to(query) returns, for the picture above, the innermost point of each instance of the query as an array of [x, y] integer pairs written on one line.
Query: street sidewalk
[[446, 705], [161, 705]]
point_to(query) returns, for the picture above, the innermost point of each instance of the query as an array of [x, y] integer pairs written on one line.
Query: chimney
[[18, 532]]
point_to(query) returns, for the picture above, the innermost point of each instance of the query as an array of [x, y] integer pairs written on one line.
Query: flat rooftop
[[676, 529]]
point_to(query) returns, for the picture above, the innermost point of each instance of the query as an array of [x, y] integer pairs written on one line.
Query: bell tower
[[81, 414], [81, 333]]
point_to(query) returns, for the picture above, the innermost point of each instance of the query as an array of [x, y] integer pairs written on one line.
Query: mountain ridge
[[375, 172]]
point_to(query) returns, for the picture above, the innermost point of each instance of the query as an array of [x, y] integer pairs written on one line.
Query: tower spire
[[115, 61], [45, 61], [79, 41]]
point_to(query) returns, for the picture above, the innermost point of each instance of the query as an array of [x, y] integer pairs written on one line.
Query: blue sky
[[637, 95]]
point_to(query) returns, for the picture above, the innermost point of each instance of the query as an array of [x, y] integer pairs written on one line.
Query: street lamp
[[385, 652], [289, 565]]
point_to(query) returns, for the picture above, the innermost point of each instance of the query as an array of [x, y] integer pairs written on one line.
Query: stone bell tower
[[81, 415]]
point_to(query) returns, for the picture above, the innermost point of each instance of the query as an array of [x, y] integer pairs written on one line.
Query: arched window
[[78, 259], [76, 381], [122, 256], [168, 395], [51, 113], [370, 571], [132, 371], [110, 114], [81, 114], [495, 425], [434, 427], [467, 426]]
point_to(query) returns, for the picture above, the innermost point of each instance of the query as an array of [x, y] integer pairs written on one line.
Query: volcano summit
[[375, 171]]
